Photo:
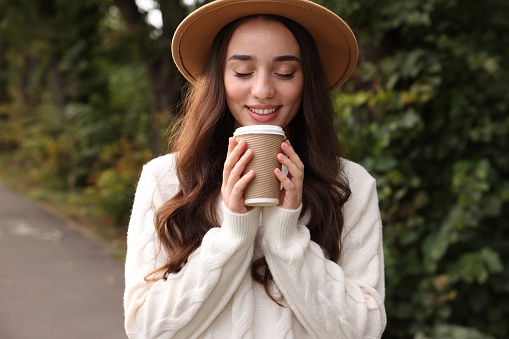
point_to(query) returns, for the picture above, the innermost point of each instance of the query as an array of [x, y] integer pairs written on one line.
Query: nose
[[263, 87]]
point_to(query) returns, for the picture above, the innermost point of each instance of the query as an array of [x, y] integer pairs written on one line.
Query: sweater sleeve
[[331, 300], [183, 305]]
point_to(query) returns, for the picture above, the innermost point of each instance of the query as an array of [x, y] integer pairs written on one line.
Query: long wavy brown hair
[[200, 142]]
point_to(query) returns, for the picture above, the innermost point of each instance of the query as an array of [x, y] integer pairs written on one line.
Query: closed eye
[[285, 75], [242, 75]]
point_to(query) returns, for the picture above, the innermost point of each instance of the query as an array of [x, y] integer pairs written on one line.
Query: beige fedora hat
[[336, 43]]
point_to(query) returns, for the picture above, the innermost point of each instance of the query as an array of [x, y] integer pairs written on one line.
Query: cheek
[[234, 92], [295, 95], [295, 88]]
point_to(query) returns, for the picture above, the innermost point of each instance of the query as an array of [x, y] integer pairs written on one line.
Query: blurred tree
[[155, 53], [64, 115]]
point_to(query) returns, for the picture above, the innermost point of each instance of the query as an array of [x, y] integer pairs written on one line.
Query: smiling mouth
[[263, 111]]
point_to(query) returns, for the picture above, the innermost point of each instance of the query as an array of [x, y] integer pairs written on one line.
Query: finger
[[287, 183], [291, 194], [231, 177], [232, 142], [228, 165], [235, 200], [240, 166], [234, 182], [237, 193], [235, 151], [289, 151], [294, 170]]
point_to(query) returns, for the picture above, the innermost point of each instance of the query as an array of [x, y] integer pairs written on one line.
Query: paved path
[[55, 283]]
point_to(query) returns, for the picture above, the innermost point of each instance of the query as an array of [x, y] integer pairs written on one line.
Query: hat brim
[[335, 41]]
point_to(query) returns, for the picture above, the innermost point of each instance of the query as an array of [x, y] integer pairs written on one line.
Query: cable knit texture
[[214, 296]]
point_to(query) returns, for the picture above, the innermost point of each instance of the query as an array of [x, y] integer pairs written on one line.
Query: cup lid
[[259, 129]]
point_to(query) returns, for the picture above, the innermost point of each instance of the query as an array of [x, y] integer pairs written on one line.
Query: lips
[[263, 114]]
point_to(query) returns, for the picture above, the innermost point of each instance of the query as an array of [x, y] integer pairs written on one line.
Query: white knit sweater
[[214, 296]]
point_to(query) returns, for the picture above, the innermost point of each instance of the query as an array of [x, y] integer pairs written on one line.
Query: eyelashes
[[283, 76], [242, 75]]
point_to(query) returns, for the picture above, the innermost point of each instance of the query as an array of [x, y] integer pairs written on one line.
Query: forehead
[[258, 36]]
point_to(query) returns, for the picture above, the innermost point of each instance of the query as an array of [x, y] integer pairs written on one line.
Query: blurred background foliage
[[88, 93]]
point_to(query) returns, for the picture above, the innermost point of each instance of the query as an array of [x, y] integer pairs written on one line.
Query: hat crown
[[335, 41]]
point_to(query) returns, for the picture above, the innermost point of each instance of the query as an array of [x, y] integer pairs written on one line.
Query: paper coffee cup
[[265, 141]]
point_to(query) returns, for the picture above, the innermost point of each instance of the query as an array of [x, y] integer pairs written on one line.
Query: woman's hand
[[291, 194], [234, 182]]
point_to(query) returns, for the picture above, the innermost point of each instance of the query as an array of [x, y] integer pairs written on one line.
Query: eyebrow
[[287, 58], [242, 57]]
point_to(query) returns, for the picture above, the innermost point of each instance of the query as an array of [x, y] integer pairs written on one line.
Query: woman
[[200, 263]]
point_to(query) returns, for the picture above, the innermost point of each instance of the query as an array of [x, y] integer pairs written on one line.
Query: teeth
[[263, 111]]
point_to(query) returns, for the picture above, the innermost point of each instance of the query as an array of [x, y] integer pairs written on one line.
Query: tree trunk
[[4, 95], [156, 54], [26, 79], [160, 101], [57, 83]]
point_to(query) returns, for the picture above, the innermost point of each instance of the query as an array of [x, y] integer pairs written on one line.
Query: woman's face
[[263, 74]]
